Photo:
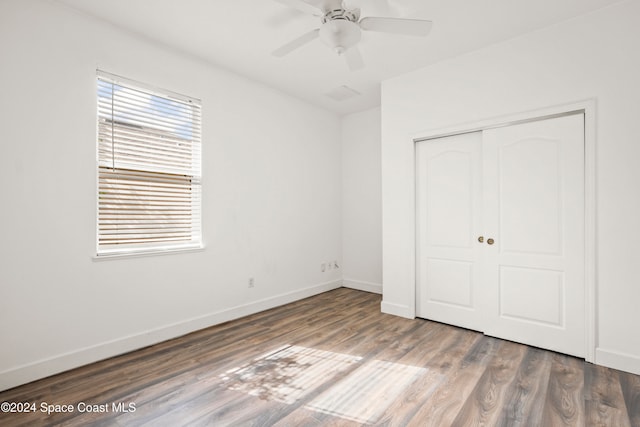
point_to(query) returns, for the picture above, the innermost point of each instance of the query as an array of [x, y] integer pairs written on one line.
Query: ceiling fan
[[341, 28]]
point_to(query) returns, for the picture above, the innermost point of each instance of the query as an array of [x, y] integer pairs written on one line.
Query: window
[[149, 180]]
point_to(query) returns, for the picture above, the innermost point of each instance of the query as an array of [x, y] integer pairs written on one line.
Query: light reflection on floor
[[366, 393], [289, 373]]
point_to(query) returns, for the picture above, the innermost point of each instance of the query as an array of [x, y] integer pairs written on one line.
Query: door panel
[[448, 198], [451, 282], [449, 212], [532, 295], [534, 210], [529, 192]]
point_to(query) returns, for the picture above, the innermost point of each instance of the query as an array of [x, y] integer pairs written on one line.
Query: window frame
[[195, 244]]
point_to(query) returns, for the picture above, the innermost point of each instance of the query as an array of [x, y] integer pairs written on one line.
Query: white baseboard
[[617, 360], [361, 285], [397, 310], [73, 359]]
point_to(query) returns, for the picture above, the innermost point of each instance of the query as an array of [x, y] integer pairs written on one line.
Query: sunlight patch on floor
[[366, 393], [287, 373]]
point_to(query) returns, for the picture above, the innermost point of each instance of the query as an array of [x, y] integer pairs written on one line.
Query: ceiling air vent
[[342, 93]]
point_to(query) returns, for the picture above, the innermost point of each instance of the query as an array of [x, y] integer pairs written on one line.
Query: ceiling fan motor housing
[[339, 30]]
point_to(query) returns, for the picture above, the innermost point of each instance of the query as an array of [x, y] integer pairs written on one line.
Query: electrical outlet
[[251, 282], [323, 267], [329, 265], [335, 265]]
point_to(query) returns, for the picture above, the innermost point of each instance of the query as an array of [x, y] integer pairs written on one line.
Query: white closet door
[[448, 190], [533, 191], [522, 189]]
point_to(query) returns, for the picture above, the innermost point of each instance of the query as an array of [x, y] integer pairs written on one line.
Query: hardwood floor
[[334, 359]]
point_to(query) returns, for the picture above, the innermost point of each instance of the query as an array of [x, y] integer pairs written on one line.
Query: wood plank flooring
[[334, 360]]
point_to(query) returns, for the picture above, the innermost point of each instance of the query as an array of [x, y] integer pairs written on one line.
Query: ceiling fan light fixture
[[340, 34]]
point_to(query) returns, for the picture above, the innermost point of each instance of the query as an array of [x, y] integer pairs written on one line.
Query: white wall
[[593, 56], [271, 194], [361, 201]]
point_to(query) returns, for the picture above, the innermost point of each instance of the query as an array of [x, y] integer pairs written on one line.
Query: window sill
[[146, 253]]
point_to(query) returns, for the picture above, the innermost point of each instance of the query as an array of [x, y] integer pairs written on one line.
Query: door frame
[[586, 107]]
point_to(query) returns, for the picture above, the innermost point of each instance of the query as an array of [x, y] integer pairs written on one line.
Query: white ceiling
[[241, 34]]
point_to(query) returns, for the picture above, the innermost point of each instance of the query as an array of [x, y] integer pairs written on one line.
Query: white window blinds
[[149, 179]]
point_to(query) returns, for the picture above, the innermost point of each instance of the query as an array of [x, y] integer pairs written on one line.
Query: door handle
[[481, 239], [490, 241]]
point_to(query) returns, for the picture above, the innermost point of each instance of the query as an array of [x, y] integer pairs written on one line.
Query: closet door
[[448, 195], [533, 197]]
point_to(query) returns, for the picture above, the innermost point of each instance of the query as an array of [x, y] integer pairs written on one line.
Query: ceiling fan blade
[[301, 6], [410, 27], [354, 58], [296, 43]]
